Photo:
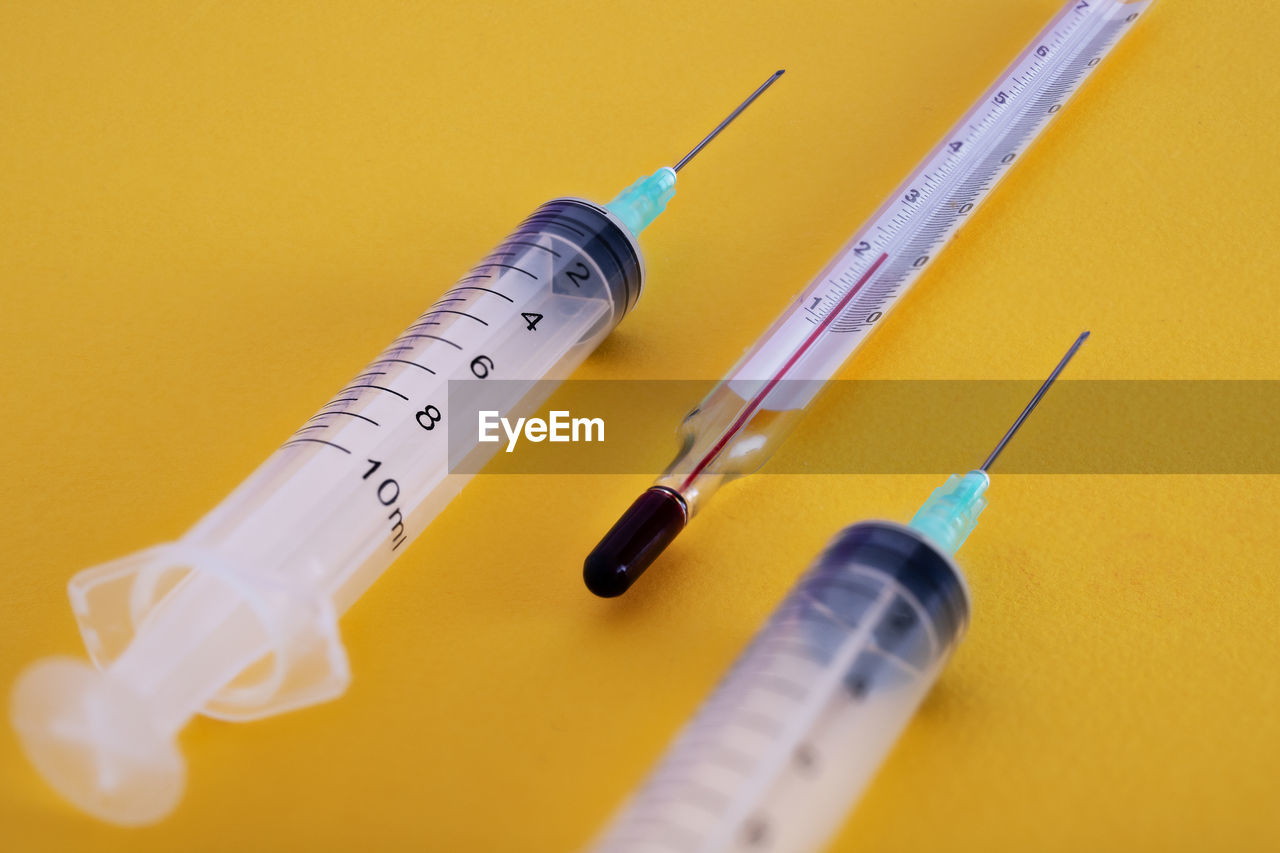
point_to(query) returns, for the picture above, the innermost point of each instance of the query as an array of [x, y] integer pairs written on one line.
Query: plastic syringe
[[238, 619], [737, 427], [783, 748]]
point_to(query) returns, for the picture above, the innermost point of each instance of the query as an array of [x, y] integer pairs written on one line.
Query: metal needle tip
[[1035, 401], [728, 119]]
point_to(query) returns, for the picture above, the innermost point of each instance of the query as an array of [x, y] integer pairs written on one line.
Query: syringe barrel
[[777, 756], [333, 507], [238, 618]]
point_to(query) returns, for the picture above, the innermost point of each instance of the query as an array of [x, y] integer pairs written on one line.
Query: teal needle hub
[[639, 204]]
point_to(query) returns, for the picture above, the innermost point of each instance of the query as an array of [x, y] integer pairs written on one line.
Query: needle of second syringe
[[951, 512], [1035, 401]]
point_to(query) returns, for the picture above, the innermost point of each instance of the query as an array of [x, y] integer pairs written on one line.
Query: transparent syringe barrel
[[238, 618], [781, 751]]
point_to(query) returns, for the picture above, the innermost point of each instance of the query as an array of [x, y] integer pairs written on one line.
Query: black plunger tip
[[635, 541]]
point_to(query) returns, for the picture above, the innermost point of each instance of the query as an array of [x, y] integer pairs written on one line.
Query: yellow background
[[212, 213]]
